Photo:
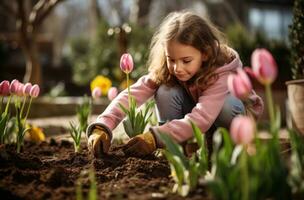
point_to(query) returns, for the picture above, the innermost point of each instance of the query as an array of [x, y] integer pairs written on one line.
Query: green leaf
[[93, 186], [277, 120], [177, 167], [174, 148], [125, 110], [128, 127], [197, 134]]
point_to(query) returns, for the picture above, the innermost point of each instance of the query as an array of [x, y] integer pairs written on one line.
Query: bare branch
[[41, 10]]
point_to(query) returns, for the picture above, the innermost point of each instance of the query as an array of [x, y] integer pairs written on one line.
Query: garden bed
[[50, 170]]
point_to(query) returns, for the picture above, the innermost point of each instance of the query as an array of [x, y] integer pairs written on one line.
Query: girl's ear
[[205, 56]]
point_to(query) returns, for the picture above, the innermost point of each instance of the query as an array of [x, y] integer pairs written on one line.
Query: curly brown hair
[[188, 29]]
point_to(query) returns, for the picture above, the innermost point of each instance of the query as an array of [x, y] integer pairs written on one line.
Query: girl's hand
[[140, 145], [99, 142]]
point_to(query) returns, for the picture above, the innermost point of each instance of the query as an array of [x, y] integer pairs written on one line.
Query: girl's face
[[184, 61]]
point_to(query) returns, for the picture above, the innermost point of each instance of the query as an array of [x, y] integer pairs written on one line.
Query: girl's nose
[[177, 68]]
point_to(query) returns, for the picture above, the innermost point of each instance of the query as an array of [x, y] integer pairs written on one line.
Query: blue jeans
[[173, 102]]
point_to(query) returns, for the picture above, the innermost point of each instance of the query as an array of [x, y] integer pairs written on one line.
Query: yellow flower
[[102, 82], [35, 134], [123, 84]]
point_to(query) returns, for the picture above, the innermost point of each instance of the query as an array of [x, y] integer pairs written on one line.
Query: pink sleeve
[[203, 114], [142, 90]]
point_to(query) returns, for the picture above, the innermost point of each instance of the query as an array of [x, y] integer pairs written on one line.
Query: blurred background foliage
[[244, 43], [80, 40], [101, 56]]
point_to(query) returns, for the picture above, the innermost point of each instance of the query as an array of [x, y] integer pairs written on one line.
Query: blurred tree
[[29, 17], [139, 13], [102, 56], [94, 17]]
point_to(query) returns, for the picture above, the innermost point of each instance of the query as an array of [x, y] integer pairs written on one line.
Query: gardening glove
[[99, 142], [140, 145]]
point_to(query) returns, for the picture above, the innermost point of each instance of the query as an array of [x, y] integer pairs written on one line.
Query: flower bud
[[239, 84], [242, 129], [26, 89], [96, 93], [264, 66], [20, 89], [126, 63], [14, 86], [4, 88], [113, 92], [34, 92]]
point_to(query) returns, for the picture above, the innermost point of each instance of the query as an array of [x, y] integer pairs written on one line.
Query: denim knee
[[173, 102], [231, 108]]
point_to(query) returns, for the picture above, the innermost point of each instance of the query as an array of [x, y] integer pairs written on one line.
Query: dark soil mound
[[50, 170]]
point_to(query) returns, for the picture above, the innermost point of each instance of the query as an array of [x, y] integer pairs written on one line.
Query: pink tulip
[[242, 129], [4, 88], [26, 89], [126, 63], [14, 86], [34, 92], [96, 93], [264, 66], [239, 84], [19, 91], [112, 93]]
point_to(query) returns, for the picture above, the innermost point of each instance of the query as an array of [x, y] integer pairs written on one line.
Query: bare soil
[[50, 170]]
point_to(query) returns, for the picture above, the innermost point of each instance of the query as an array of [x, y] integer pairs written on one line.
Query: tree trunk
[[143, 12], [122, 41], [33, 68], [94, 16]]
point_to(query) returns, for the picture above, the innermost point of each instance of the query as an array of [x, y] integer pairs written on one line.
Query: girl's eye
[[187, 61], [171, 60]]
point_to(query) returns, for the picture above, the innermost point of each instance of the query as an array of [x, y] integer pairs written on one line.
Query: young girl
[[188, 70]]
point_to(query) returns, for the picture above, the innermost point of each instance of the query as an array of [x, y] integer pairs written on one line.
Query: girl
[[188, 70]]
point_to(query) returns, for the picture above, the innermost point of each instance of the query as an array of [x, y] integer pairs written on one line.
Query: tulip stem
[[28, 108], [7, 104], [129, 93], [1, 104], [244, 171], [23, 104], [270, 104]]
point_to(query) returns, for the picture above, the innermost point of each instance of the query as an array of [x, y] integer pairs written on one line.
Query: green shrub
[[297, 40]]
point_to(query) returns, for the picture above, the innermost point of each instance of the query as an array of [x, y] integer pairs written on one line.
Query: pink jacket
[[208, 107]]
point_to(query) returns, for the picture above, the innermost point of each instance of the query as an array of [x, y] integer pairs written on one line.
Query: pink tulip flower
[[4, 88], [19, 91], [112, 93], [242, 129], [26, 89], [264, 66], [96, 93], [126, 63], [14, 86], [35, 90], [239, 84]]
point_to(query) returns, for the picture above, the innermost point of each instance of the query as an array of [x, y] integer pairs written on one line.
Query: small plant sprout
[[83, 112], [186, 172], [75, 132], [92, 194], [135, 122]]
